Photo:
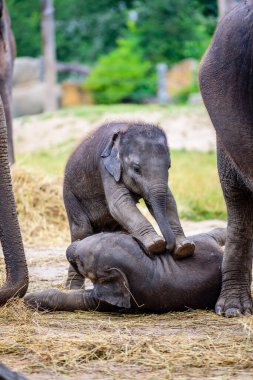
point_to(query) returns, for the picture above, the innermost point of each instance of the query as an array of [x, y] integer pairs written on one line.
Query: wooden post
[[225, 6], [50, 70]]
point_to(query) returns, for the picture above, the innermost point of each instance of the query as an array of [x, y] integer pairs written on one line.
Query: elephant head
[[139, 156], [16, 269]]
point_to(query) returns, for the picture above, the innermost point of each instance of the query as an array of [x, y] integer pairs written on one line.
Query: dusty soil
[[188, 128]]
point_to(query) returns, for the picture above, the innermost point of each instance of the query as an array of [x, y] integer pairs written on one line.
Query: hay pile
[[40, 208], [130, 346]]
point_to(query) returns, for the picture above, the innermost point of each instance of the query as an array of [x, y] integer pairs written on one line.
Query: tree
[[169, 30], [84, 29], [173, 30], [123, 74]]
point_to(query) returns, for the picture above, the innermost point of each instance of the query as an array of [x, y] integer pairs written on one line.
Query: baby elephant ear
[[111, 158], [115, 291]]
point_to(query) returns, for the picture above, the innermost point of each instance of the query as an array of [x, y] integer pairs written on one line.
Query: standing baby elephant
[[108, 173]]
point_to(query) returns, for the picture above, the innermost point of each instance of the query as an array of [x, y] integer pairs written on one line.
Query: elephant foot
[[184, 248], [234, 303], [155, 244]]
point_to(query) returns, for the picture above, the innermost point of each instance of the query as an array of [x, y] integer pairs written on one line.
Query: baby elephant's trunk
[[157, 202]]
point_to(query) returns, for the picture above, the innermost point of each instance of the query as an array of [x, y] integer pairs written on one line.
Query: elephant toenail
[[218, 310], [232, 312]]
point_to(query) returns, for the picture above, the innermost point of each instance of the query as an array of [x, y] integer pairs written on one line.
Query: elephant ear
[[111, 159], [114, 291]]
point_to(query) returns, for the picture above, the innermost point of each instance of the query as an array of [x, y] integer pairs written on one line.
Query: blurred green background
[[122, 41]]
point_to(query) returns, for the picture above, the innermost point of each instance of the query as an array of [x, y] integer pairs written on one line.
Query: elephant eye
[[137, 169]]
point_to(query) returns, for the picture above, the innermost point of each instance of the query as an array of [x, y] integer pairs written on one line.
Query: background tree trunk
[[225, 6], [48, 35]]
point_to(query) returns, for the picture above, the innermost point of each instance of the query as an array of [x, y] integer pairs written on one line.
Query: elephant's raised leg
[[80, 228], [235, 298], [123, 209], [219, 235], [216, 237]]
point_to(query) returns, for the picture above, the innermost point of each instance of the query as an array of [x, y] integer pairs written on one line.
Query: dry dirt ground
[[186, 127]]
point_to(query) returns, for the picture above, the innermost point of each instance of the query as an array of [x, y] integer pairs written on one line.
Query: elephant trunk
[[157, 203], [16, 269]]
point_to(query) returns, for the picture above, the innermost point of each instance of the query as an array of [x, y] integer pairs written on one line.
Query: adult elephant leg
[[16, 269], [80, 228], [5, 93], [235, 298]]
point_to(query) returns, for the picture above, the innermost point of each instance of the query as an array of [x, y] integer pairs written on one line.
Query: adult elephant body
[[127, 277], [7, 55], [226, 81], [107, 175]]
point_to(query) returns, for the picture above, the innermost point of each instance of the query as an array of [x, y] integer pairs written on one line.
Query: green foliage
[[173, 30], [100, 34], [87, 29], [169, 30], [84, 29], [123, 74], [25, 19]]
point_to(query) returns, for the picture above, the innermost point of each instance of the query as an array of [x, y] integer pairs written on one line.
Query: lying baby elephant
[[125, 276]]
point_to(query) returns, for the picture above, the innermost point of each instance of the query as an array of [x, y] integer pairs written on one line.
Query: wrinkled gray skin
[[7, 374], [7, 56], [127, 277], [16, 269], [108, 174], [226, 81]]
